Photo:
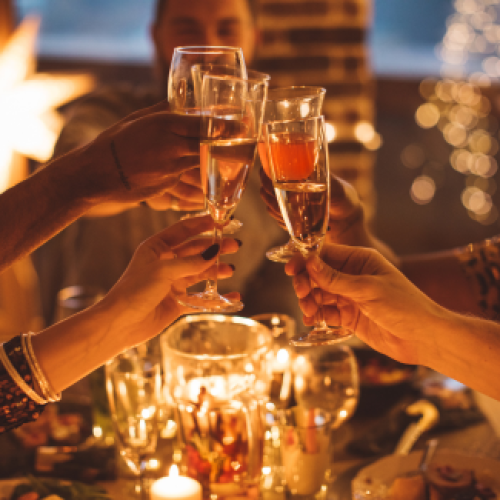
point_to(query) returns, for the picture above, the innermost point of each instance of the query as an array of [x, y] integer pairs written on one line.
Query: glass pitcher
[[217, 376]]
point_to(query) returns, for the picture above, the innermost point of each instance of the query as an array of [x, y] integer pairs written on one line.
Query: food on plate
[[379, 370], [408, 488], [441, 482], [34, 488]]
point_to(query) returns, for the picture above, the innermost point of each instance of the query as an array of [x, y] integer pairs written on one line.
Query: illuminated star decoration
[[457, 106], [29, 122]]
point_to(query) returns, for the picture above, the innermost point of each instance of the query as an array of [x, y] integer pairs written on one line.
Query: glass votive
[[282, 328], [306, 451], [327, 377]]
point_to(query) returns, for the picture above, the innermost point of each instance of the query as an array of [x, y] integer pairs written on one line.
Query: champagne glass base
[[283, 253], [210, 302], [321, 336]]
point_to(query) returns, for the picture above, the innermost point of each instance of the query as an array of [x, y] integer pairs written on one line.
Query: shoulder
[[99, 110], [118, 100]]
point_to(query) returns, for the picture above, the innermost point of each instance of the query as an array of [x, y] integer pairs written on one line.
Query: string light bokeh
[[456, 104]]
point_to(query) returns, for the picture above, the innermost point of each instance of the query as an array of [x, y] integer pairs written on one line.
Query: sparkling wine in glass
[[232, 112], [288, 103], [299, 167], [184, 81]]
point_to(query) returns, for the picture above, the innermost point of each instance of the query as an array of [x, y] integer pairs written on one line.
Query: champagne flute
[[133, 385], [298, 163], [288, 103], [232, 111], [228, 70], [184, 89]]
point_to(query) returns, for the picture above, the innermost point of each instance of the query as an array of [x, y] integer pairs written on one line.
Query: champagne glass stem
[[142, 468], [211, 286], [320, 316]]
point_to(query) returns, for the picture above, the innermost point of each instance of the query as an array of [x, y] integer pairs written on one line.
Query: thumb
[[333, 281]]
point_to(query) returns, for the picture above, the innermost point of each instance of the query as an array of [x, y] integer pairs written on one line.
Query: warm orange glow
[[174, 471], [427, 115], [364, 132], [29, 123], [423, 190]]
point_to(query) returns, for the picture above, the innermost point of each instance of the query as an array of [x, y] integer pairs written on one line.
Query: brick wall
[[322, 42]]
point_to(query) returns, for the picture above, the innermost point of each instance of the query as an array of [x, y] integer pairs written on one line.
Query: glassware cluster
[[244, 390]]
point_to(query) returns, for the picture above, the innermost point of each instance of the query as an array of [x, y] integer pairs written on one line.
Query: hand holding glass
[[288, 103], [232, 111], [298, 163], [185, 79]]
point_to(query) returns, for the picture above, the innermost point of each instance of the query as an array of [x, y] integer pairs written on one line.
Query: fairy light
[[331, 132], [456, 106], [29, 122]]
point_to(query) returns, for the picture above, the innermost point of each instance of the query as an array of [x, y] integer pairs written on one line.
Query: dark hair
[[162, 4]]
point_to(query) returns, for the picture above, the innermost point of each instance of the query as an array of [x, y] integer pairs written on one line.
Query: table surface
[[477, 439]]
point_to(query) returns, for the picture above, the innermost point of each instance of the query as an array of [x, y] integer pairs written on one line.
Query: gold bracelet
[[44, 384], [19, 380], [42, 387]]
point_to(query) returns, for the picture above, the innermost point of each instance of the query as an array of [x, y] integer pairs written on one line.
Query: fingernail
[[238, 241], [211, 251], [232, 266]]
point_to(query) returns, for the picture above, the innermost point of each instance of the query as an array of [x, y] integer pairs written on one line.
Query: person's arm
[[141, 157], [441, 276], [140, 305], [103, 109], [386, 311]]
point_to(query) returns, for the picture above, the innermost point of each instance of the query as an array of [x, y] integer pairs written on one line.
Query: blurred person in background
[[95, 250]]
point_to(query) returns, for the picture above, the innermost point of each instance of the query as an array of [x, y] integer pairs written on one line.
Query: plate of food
[[36, 488], [451, 475]]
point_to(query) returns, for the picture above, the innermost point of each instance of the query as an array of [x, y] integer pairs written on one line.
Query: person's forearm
[[43, 204], [440, 276], [70, 349], [466, 349]]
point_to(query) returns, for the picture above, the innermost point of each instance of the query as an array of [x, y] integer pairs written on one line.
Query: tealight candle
[[175, 487]]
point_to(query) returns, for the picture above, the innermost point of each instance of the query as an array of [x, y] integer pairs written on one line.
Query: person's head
[[203, 22]]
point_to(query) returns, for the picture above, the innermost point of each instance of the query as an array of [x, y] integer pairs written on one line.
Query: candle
[[175, 487]]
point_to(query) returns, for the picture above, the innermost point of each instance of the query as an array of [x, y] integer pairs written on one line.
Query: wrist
[[75, 179]]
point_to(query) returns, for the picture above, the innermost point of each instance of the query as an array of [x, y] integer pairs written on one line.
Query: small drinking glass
[[327, 377], [289, 103], [283, 329], [306, 451], [232, 122], [133, 385], [298, 163]]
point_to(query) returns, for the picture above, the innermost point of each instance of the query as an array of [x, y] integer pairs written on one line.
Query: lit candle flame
[[174, 471]]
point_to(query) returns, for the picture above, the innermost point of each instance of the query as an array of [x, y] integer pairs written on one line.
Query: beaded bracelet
[[16, 407], [4, 359]]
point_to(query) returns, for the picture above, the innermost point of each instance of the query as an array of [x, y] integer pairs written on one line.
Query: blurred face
[[203, 22]]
